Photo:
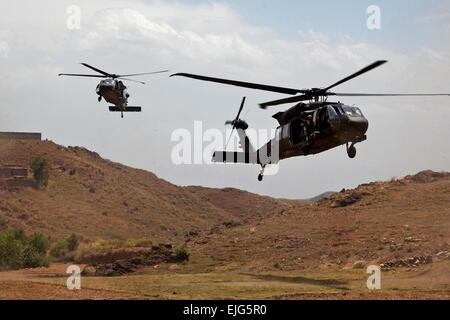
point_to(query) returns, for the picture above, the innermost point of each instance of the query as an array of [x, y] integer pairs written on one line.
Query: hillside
[[241, 245], [402, 222], [97, 198], [382, 222]]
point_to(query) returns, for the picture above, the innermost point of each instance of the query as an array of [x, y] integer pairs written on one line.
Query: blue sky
[[403, 25]]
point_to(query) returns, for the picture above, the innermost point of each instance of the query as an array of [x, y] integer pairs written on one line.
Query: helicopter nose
[[358, 125]]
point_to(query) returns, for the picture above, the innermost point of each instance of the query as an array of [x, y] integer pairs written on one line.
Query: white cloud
[[312, 35], [4, 49]]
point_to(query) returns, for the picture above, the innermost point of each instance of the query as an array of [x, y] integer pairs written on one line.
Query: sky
[[299, 44]]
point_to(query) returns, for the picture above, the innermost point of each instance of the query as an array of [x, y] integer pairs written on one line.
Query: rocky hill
[[402, 222], [97, 198], [398, 223]]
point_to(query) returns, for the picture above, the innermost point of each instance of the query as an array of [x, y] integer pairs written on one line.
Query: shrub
[[20, 235], [17, 250], [72, 242], [58, 249], [39, 166], [142, 243], [39, 242], [11, 251], [182, 253], [32, 258]]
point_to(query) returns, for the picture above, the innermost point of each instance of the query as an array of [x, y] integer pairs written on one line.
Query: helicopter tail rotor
[[237, 123]]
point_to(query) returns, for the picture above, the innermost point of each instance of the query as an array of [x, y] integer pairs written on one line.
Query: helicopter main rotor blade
[[285, 100], [81, 75], [388, 94], [140, 74], [130, 80], [97, 70], [241, 83], [356, 74]]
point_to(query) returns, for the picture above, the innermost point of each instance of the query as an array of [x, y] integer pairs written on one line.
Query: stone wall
[[12, 172], [17, 183]]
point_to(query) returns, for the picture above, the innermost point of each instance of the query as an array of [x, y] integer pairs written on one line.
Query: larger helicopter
[[112, 88], [304, 129]]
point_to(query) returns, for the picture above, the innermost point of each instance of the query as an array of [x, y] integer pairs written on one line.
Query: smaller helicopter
[[112, 89]]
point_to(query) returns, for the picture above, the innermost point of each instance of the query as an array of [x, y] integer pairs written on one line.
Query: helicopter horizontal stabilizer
[[235, 157], [127, 109]]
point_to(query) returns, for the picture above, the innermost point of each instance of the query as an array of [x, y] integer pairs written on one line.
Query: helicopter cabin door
[[298, 131]]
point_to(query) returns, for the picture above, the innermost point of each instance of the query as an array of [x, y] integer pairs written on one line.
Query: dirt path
[[27, 284], [28, 290]]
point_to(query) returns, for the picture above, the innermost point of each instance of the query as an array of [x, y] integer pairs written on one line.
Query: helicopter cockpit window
[[332, 112], [352, 111], [338, 110], [358, 111]]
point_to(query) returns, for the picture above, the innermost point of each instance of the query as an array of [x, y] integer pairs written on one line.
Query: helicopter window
[[348, 111], [338, 109], [285, 132], [353, 111], [358, 112], [297, 131], [332, 112]]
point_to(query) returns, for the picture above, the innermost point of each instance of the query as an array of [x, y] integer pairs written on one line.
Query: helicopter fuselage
[[304, 129], [113, 91], [316, 127]]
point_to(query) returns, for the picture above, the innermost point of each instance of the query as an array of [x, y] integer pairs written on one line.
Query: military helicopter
[[304, 129], [112, 89]]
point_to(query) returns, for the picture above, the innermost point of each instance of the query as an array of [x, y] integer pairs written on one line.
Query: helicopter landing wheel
[[261, 174], [99, 98], [351, 151]]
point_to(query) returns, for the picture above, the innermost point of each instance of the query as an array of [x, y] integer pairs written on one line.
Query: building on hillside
[[15, 176], [20, 136]]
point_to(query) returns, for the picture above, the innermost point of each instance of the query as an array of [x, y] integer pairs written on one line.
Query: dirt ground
[[26, 290], [166, 282], [30, 284]]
